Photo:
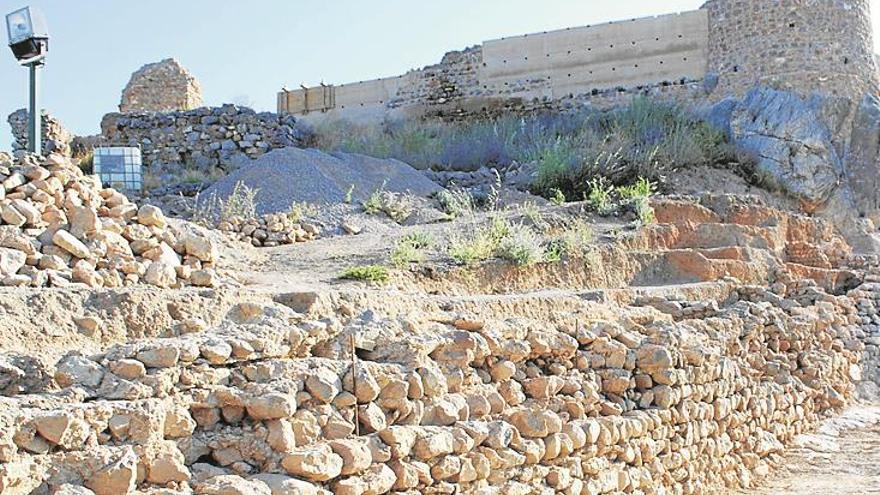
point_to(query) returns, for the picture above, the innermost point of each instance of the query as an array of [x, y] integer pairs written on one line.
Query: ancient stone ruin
[[319, 321], [161, 87], [56, 138]]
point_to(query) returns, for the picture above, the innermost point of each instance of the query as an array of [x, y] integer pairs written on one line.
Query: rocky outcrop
[[862, 159], [790, 143], [814, 150], [161, 87], [56, 138]]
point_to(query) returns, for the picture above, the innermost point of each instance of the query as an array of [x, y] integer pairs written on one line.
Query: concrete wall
[[549, 65], [619, 54]]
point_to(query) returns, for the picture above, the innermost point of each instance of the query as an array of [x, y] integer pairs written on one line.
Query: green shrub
[[521, 246], [411, 249], [456, 202], [241, 203], [367, 273], [643, 188], [599, 195], [557, 197], [647, 138], [398, 206]]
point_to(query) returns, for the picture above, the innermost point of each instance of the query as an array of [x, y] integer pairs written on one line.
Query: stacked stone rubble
[[60, 227], [55, 137], [271, 400], [273, 229], [204, 138]]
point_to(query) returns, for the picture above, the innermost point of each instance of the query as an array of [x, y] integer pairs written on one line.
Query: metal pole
[[35, 142]]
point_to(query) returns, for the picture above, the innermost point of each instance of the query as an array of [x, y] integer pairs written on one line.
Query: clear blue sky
[[243, 52]]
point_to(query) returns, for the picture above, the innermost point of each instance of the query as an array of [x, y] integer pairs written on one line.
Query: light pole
[[29, 41]]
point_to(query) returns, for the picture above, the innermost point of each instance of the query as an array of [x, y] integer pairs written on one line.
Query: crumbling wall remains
[[161, 87], [203, 138]]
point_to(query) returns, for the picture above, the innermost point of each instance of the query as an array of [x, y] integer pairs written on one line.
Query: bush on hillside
[[646, 139]]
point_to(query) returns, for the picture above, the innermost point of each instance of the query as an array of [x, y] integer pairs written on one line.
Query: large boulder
[[787, 137], [863, 158]]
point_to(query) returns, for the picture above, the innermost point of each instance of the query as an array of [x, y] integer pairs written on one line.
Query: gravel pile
[[308, 175]]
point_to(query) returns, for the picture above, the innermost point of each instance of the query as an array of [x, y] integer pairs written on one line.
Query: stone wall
[[803, 46], [555, 65], [161, 87], [55, 137], [203, 138]]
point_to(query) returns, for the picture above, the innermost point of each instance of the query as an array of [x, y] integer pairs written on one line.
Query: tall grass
[[647, 138]]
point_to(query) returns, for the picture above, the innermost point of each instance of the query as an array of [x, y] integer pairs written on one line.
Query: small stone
[[273, 405], [66, 241]]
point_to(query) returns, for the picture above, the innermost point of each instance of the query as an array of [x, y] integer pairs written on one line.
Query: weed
[[299, 210], [348, 194], [419, 240], [481, 244], [531, 211], [411, 249], [557, 197], [643, 188], [456, 201], [599, 195], [576, 238], [644, 211], [367, 273], [373, 204], [521, 246], [241, 203], [398, 206]]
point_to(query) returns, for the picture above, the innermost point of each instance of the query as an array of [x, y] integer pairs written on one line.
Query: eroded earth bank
[[686, 356]]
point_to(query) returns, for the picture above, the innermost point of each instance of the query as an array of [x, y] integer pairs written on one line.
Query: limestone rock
[[315, 463]]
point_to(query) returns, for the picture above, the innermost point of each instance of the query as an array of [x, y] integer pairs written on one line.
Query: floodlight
[[28, 35], [29, 41]]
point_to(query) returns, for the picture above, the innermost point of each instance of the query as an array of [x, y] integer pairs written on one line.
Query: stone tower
[[801, 45], [161, 87]]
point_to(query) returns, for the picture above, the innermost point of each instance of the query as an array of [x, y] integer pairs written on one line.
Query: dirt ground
[[842, 457]]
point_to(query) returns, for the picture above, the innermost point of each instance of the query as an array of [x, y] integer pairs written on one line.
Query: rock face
[[786, 136], [56, 138], [863, 158], [60, 227], [161, 87]]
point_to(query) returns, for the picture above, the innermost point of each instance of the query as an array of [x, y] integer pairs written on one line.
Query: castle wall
[[532, 68], [578, 60], [801, 45]]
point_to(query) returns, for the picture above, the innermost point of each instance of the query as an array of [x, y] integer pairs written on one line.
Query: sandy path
[[841, 458]]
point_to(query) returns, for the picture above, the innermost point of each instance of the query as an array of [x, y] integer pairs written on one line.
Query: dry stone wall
[[55, 137], [203, 138]]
